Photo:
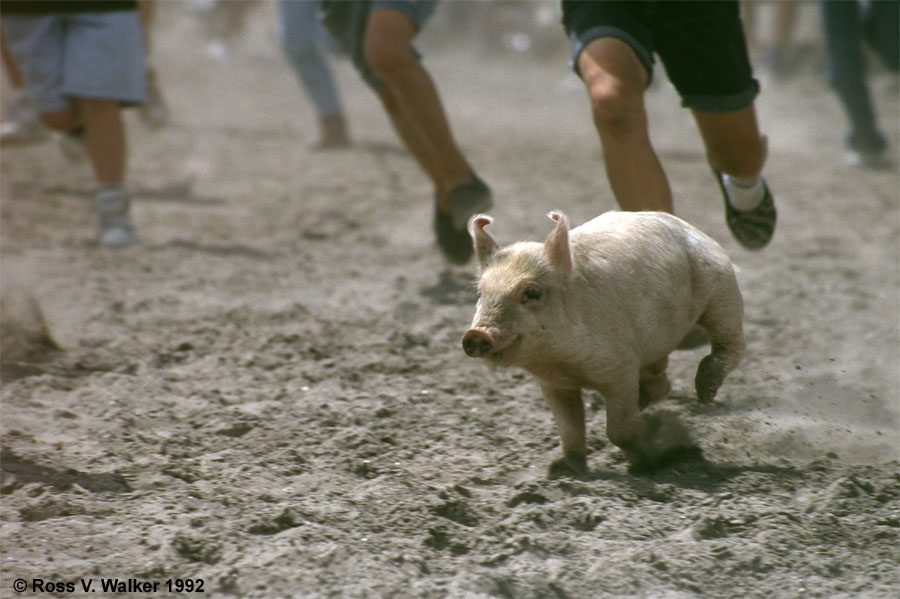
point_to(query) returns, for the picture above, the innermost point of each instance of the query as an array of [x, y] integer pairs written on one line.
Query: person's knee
[[386, 56], [387, 46], [613, 105]]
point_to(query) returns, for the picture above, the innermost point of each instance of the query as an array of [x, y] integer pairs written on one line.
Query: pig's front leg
[[568, 413]]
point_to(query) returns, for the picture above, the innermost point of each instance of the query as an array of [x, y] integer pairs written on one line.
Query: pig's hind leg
[[647, 438], [723, 320]]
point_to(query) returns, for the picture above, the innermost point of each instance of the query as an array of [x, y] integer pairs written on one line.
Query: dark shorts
[[346, 21], [700, 43]]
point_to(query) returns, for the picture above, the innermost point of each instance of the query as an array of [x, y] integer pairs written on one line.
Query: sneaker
[[24, 125], [217, 49], [752, 228], [71, 143], [332, 133], [115, 228], [877, 160], [776, 62], [452, 235], [18, 132], [867, 151], [154, 112]]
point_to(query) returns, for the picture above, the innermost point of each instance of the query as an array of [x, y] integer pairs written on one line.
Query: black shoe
[[752, 228], [867, 151], [452, 236]]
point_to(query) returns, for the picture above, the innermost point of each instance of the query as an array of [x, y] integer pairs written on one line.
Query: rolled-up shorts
[[346, 20], [78, 55], [700, 43]]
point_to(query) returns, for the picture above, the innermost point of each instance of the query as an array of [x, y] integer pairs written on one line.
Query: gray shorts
[[80, 55]]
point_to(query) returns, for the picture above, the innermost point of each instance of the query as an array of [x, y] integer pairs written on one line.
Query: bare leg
[[104, 138], [11, 68], [785, 17], [411, 136], [424, 127], [615, 81], [733, 142], [21, 120], [147, 12], [61, 120]]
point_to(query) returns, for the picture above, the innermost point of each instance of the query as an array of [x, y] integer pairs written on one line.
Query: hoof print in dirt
[[237, 429], [49, 508], [457, 511], [527, 497], [269, 526], [440, 540], [573, 466], [197, 549], [587, 520]]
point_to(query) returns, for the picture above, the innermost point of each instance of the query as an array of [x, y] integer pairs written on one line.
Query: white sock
[[744, 194]]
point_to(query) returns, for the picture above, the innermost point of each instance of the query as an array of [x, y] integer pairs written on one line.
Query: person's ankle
[[108, 188], [744, 194]]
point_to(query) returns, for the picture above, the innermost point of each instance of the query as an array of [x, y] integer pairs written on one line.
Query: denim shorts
[[78, 55], [700, 44], [346, 20]]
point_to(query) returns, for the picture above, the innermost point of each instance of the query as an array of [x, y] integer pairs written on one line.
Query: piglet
[[602, 306]]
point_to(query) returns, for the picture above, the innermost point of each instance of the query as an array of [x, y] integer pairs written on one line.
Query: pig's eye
[[531, 294]]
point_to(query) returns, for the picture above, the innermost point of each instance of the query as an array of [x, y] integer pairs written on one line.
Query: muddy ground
[[268, 395]]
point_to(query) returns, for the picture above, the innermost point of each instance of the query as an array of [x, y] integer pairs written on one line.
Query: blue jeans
[[846, 27], [302, 38]]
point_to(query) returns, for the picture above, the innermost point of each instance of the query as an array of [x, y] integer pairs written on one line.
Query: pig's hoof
[[708, 380], [572, 464], [639, 454]]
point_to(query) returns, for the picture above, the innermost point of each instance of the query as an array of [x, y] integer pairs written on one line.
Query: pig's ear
[[485, 245], [556, 248]]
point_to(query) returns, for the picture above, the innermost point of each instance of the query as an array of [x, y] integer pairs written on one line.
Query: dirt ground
[[269, 395]]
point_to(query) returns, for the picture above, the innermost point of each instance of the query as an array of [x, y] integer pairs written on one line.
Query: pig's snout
[[479, 342]]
